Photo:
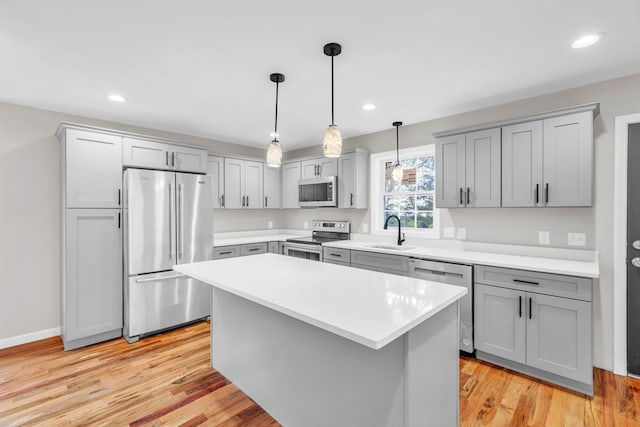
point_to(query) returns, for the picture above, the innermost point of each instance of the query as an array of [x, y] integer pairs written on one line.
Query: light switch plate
[[544, 237], [462, 233], [449, 232], [576, 239], [306, 225], [270, 224], [365, 228]]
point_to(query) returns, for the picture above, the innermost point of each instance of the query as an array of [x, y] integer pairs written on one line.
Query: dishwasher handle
[[438, 272]]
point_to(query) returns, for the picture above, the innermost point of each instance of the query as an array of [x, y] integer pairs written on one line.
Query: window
[[412, 199]]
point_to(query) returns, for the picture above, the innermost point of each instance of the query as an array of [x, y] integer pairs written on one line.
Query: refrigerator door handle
[[170, 220], [180, 227]]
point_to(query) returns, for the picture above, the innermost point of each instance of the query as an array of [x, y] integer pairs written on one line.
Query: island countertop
[[367, 307]]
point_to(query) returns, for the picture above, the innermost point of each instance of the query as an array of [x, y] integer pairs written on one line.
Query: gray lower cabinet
[[336, 256], [536, 323], [253, 249], [393, 264], [276, 248], [91, 277]]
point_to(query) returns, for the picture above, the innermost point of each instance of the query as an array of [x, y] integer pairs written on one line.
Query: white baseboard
[[26, 338]]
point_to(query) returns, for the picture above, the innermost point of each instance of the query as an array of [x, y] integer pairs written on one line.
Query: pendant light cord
[[397, 145], [332, 119], [275, 129]]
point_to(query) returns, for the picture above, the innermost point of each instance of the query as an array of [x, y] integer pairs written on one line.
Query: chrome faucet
[[400, 235]]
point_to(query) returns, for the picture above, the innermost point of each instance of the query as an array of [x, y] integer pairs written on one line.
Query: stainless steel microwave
[[318, 192]]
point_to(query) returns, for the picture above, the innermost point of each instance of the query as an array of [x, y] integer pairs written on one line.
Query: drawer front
[[226, 252], [382, 262], [331, 261], [533, 281], [341, 256], [253, 249]]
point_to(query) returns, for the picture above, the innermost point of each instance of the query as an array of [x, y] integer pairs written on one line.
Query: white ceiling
[[201, 67]]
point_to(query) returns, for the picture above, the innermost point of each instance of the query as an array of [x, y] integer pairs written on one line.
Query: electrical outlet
[[306, 225], [544, 237], [270, 224], [576, 239], [462, 233], [449, 232], [365, 228]]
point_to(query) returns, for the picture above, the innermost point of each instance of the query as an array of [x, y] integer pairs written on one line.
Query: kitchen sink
[[390, 246]]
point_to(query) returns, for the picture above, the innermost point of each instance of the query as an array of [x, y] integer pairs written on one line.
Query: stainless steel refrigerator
[[168, 220]]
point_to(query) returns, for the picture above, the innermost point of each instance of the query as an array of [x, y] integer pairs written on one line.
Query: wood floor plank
[[166, 380]]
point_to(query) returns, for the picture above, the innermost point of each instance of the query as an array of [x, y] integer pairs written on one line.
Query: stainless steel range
[[323, 232]]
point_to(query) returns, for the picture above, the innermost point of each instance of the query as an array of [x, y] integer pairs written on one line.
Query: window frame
[[377, 176]]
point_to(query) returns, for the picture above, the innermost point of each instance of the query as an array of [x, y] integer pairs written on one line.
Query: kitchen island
[[317, 344]]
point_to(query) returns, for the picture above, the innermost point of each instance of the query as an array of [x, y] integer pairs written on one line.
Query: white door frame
[[620, 242]]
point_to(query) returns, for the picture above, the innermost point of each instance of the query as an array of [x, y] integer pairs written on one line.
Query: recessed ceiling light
[[116, 98], [587, 40], [369, 107]]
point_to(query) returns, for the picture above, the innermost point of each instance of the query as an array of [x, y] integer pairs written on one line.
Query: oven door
[[300, 250]]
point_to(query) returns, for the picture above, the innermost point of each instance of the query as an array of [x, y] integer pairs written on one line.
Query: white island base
[[305, 376], [323, 345]]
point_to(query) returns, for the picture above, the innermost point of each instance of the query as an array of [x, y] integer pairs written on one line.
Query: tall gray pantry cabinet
[[91, 239]]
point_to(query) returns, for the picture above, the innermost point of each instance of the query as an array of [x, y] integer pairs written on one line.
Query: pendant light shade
[[397, 173], [274, 152], [332, 143]]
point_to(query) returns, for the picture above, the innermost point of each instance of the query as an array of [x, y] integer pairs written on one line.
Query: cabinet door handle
[[467, 195], [527, 282], [166, 158], [173, 159], [537, 195], [319, 170], [118, 219], [351, 199], [546, 193], [243, 201], [119, 198], [247, 201], [530, 308], [461, 201], [222, 204], [519, 305], [266, 204]]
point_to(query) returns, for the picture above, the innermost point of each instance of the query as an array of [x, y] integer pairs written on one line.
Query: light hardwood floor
[[166, 380]]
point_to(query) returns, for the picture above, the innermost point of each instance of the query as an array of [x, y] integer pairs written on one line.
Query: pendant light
[[332, 143], [397, 169], [274, 152]]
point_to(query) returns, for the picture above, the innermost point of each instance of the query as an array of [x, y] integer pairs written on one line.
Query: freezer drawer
[[163, 300]]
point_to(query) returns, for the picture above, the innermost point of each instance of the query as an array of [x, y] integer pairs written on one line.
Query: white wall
[[29, 194]]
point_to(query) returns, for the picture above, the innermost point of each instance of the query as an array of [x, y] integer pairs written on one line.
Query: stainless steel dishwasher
[[452, 274]]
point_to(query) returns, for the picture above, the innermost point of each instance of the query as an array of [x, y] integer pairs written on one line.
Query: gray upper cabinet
[[468, 170], [272, 188], [319, 167], [568, 160], [92, 277], [243, 184], [163, 155], [290, 177], [353, 180], [93, 165], [215, 168], [522, 164], [548, 162]]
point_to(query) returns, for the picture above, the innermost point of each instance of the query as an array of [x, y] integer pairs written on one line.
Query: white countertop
[[258, 238], [548, 265], [367, 307]]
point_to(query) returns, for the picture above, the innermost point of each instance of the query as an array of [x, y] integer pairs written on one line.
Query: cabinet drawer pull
[[527, 282], [253, 249], [225, 253], [336, 255], [530, 308]]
